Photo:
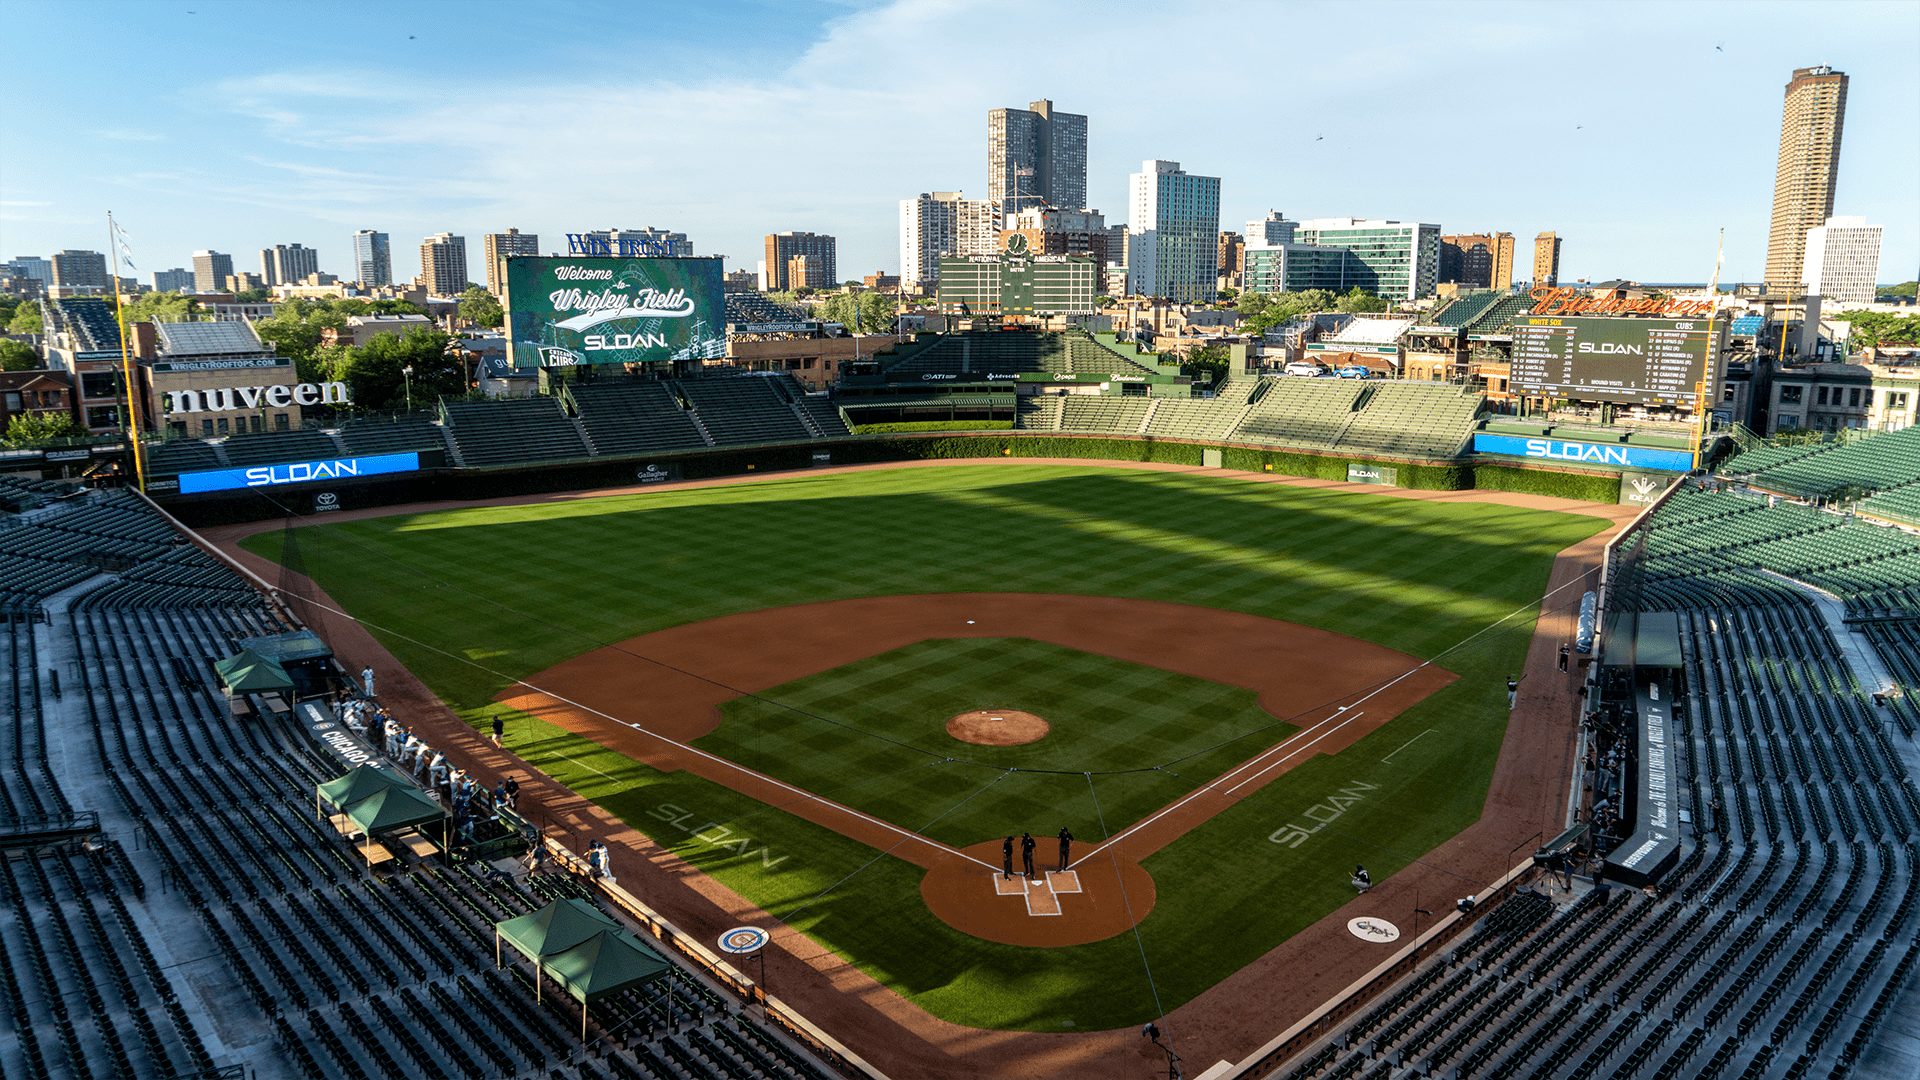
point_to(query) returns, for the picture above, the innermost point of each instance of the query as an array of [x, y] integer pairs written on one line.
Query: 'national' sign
[[297, 472]]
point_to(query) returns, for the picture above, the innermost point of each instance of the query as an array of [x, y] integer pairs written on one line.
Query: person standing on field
[[1027, 845], [1006, 857], [1066, 842]]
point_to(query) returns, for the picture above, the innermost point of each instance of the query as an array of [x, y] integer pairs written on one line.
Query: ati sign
[[1605, 454], [1641, 489], [1385, 475], [243, 398], [299, 472]]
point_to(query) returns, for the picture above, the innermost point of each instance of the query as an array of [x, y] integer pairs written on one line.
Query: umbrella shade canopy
[[363, 781], [605, 963], [247, 672], [393, 808], [555, 928]]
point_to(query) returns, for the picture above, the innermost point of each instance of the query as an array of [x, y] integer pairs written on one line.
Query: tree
[[18, 356], [1210, 359], [294, 330], [1229, 294], [33, 429], [1261, 312], [26, 320], [250, 296], [868, 312], [1358, 301], [1905, 288], [479, 307], [1872, 328], [161, 307], [375, 372]]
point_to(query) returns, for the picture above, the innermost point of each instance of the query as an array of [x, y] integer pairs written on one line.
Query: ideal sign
[[299, 472], [1606, 454], [239, 398]]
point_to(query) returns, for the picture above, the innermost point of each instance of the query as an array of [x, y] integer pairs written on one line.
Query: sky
[[1637, 131]]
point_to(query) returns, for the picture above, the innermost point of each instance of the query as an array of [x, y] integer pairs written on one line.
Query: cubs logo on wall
[[563, 312]]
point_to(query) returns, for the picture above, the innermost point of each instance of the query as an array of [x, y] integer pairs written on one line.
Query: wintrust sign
[[243, 398]]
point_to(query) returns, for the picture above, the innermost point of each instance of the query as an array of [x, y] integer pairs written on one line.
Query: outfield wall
[[481, 484]]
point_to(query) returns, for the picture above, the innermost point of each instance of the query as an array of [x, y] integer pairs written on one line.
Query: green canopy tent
[[386, 807], [362, 781], [582, 949], [247, 672]]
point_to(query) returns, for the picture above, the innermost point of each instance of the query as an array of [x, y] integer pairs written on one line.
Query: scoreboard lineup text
[[1621, 360]]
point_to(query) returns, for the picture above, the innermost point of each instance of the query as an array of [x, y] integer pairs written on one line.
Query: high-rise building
[[1290, 267], [1270, 230], [1230, 255], [1546, 260], [1809, 163], [1397, 260], [76, 273], [33, 266], [288, 264], [1047, 230], [819, 249], [943, 223], [372, 258], [211, 269], [178, 279], [443, 264], [1478, 260], [498, 247], [1036, 157], [1843, 260], [1174, 236]]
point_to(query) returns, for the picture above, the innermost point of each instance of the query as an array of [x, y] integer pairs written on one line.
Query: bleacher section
[[1464, 309], [1901, 504], [181, 455], [758, 307], [1040, 412], [1776, 947], [1300, 412], [91, 323], [268, 447], [633, 417], [984, 353], [1104, 414], [391, 435], [1206, 421], [510, 432], [1822, 469], [320, 969], [743, 409], [1411, 418]]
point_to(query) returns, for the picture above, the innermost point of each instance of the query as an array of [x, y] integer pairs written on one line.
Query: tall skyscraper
[[443, 264], [1036, 157], [78, 272], [1843, 260], [178, 279], [1174, 235], [943, 223], [498, 247], [288, 264], [1546, 260], [372, 258], [33, 266], [1478, 260], [819, 249], [1808, 165], [211, 269]]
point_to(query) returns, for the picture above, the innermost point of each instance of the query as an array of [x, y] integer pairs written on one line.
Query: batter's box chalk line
[[1042, 897]]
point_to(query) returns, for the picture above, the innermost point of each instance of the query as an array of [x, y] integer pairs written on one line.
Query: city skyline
[[347, 135]]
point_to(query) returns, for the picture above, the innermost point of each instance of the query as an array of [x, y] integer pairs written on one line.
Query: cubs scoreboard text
[[1623, 360]]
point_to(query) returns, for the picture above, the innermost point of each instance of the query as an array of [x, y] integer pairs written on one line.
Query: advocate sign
[[1583, 453], [244, 398], [298, 472]]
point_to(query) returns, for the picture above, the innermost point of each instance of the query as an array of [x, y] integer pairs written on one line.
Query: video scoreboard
[[1622, 360]]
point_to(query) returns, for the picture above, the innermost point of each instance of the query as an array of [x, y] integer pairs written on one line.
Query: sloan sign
[[244, 398], [1611, 455], [297, 472]]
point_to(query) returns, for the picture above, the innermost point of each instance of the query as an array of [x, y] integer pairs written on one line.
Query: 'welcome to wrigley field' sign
[[600, 310]]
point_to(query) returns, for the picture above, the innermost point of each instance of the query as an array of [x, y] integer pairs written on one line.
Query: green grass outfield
[[471, 598], [1106, 716]]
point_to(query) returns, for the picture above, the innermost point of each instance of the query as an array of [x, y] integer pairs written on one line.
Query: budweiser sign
[[1576, 302]]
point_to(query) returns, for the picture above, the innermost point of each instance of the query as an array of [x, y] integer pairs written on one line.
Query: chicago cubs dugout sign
[[563, 312]]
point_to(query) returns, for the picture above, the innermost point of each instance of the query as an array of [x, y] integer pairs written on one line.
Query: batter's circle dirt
[[998, 727]]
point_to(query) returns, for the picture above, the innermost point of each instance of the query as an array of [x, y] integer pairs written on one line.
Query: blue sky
[[204, 123]]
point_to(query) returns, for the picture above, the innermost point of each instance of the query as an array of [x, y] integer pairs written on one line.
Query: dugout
[[1633, 703]]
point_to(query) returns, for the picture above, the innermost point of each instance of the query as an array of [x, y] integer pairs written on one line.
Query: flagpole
[[1700, 404], [126, 354]]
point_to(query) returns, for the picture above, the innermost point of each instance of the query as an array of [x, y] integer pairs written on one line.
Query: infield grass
[[471, 599]]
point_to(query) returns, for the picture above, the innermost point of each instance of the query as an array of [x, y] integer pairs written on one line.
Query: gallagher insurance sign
[[613, 310]]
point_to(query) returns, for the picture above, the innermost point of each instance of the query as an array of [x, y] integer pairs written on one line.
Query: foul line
[[1406, 744]]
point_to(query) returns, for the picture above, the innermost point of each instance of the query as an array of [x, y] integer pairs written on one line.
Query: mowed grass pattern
[[471, 599], [885, 717]]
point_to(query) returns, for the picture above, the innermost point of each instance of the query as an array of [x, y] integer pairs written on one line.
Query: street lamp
[[407, 374]]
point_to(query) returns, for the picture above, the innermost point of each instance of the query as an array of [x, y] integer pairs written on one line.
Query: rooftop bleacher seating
[[1462, 310], [513, 431], [91, 322]]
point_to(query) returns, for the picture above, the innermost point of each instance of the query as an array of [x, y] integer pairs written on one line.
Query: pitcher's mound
[[997, 727]]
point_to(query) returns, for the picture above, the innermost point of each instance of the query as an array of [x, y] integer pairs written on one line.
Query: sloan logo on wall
[[239, 398]]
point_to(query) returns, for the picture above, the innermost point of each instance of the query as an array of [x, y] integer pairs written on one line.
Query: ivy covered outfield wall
[[607, 472]]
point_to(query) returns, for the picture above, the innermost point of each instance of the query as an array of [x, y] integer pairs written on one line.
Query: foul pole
[[126, 354]]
